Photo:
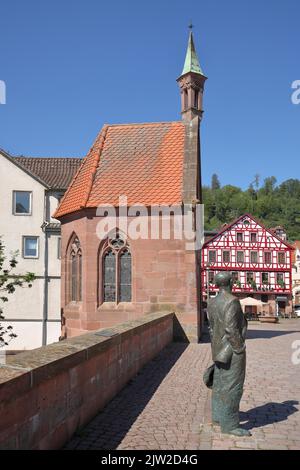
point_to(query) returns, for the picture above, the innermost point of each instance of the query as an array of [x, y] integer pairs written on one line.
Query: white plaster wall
[[28, 303], [30, 335], [13, 227], [54, 299], [53, 200], [53, 260]]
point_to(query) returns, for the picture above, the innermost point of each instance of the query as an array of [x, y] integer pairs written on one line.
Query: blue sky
[[72, 65]]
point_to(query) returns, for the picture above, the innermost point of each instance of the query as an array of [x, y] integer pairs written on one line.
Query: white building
[[30, 190]]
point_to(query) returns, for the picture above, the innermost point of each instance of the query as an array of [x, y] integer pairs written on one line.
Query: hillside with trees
[[271, 203]]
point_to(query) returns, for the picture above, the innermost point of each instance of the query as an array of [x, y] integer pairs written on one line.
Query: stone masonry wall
[[164, 278], [48, 393]]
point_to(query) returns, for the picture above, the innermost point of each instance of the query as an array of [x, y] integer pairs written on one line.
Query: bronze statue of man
[[228, 327]]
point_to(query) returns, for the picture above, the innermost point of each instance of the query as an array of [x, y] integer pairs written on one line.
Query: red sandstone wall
[[164, 278], [49, 393]]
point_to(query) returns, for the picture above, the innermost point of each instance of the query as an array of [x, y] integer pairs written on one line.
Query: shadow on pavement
[[268, 414], [110, 426], [255, 334]]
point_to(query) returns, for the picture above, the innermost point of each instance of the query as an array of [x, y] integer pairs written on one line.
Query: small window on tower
[[196, 99], [185, 98]]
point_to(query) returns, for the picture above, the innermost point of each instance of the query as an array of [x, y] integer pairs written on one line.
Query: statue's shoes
[[239, 432]]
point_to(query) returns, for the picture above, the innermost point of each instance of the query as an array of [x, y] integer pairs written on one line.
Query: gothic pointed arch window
[[74, 258], [116, 270]]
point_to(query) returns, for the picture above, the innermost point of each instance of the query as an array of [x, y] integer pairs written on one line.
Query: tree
[[274, 205], [8, 284], [269, 185], [215, 183]]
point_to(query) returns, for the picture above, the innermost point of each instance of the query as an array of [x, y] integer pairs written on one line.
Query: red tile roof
[[141, 161], [56, 173]]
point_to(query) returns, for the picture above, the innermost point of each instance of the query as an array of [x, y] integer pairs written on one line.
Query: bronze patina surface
[[228, 327]]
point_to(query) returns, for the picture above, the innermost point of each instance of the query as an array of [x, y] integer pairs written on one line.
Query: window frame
[[109, 245], [118, 277], [229, 252], [271, 258], [74, 279], [24, 237], [282, 280], [253, 253], [281, 253], [104, 256], [15, 191], [215, 256], [237, 252], [237, 237]]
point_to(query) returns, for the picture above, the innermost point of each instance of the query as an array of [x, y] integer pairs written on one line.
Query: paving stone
[[167, 406]]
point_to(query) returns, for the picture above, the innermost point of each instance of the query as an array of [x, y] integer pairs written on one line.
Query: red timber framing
[[260, 261]]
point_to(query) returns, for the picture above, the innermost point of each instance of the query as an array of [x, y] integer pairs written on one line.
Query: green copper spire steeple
[[191, 63]]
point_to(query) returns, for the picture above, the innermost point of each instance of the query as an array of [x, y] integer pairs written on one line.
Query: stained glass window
[[109, 274], [125, 277], [75, 271], [116, 271]]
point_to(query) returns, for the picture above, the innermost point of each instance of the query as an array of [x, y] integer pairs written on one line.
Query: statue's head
[[223, 279]]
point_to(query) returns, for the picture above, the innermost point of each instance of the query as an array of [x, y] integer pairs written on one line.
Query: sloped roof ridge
[[96, 161], [144, 123], [228, 226], [45, 158], [84, 161]]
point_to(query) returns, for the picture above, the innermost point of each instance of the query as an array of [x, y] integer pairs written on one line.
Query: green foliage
[[272, 204], [9, 281]]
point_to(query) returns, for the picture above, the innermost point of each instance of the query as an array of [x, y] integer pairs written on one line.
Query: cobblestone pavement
[[167, 405]]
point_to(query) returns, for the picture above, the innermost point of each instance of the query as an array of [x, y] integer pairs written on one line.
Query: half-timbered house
[[260, 262]]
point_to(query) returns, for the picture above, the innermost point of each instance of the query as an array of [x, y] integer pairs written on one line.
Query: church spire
[[191, 83], [191, 63]]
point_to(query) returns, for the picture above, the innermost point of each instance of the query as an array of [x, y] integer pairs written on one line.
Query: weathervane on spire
[[191, 26]]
